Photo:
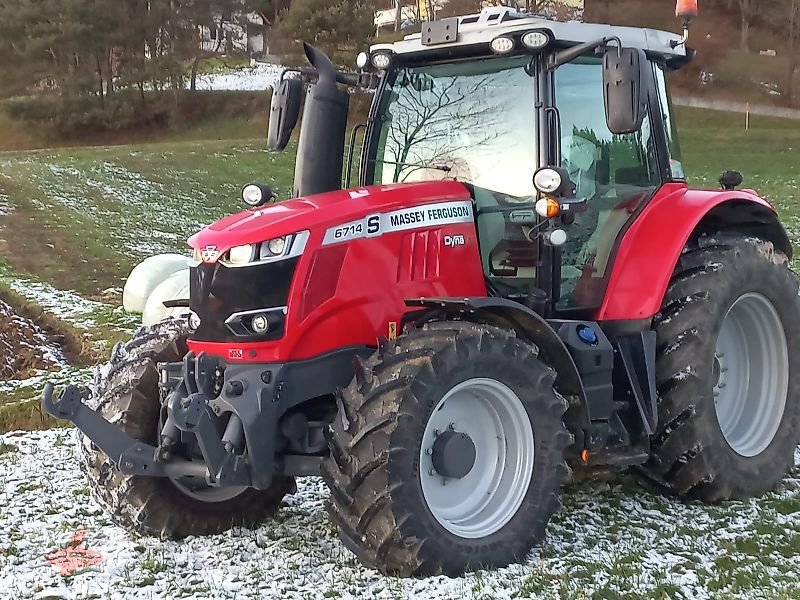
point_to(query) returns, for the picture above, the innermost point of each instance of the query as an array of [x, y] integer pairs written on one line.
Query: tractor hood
[[317, 213]]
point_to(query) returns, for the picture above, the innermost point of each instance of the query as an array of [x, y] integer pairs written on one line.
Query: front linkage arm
[[190, 413]]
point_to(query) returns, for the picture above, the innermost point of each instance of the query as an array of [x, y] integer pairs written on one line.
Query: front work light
[[256, 194], [502, 44], [381, 60], [547, 181], [535, 40], [362, 60]]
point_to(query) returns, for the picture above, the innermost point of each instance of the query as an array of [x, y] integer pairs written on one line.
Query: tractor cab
[[561, 132]]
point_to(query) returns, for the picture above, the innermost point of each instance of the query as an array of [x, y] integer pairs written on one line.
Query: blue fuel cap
[[587, 335]]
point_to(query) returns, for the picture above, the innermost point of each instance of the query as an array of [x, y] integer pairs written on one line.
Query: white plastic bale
[[146, 277], [175, 287]]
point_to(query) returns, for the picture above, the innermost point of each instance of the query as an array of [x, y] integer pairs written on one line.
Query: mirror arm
[[570, 54]]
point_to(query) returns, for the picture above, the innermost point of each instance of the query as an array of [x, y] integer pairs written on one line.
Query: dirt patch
[[25, 347], [25, 322]]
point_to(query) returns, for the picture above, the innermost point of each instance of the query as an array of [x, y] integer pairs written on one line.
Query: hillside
[[722, 69]]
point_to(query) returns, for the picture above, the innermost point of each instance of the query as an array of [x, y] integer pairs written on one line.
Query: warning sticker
[[431, 215]]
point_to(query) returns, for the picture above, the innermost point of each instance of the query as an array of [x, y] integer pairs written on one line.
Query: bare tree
[[748, 10], [427, 118]]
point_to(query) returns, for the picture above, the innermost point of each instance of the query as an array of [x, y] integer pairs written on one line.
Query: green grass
[[768, 156], [105, 209]]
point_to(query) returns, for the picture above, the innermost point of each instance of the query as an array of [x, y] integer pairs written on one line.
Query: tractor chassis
[[227, 407], [197, 393]]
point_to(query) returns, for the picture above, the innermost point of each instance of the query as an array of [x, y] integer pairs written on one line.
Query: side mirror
[[625, 89], [283, 112]]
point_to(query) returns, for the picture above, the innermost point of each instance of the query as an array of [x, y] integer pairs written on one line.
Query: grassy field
[[74, 221]]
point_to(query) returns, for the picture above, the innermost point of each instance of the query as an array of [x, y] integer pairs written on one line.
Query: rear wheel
[[727, 371], [448, 452], [127, 394]]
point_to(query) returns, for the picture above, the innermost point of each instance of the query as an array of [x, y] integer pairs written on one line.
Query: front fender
[[525, 322], [649, 250]]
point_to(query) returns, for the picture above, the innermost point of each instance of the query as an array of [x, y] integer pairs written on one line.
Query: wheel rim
[[485, 499], [200, 490], [751, 375]]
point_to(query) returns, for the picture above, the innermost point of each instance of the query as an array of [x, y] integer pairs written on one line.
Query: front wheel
[[728, 371], [127, 394], [448, 452]]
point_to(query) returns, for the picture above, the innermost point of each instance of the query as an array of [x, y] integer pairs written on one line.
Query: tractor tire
[[406, 507], [728, 371], [126, 393]]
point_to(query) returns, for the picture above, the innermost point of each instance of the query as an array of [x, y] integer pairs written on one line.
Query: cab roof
[[480, 29]]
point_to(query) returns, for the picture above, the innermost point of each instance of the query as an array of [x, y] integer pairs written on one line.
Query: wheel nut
[[429, 451], [431, 472], [452, 426], [444, 481], [436, 432]]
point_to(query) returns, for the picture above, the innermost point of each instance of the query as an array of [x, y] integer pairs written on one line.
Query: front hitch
[[128, 454]]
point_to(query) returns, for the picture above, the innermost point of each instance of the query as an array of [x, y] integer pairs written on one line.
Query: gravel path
[[608, 540]]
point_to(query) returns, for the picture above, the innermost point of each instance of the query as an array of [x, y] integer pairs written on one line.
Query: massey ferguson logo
[[209, 254], [451, 241]]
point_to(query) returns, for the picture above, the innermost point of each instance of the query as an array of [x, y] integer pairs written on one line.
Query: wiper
[[434, 166]]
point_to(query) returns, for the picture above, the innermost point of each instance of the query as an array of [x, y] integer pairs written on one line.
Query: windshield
[[471, 121]]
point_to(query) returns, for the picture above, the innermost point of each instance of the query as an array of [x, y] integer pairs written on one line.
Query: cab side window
[[615, 173]]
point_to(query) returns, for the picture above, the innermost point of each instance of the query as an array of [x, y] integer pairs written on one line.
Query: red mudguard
[[649, 250]]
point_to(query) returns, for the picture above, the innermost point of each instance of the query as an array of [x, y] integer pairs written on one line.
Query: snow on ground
[[609, 541], [64, 304], [256, 78]]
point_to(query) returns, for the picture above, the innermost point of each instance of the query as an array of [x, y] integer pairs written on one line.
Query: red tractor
[[520, 282]]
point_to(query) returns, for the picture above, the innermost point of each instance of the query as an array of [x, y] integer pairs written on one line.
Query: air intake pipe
[[320, 152]]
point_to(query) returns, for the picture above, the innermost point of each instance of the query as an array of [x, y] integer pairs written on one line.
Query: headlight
[[362, 60], [240, 255], [547, 181], [260, 323], [277, 247]]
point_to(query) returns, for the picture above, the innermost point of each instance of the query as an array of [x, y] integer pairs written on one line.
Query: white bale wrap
[[174, 287], [147, 275]]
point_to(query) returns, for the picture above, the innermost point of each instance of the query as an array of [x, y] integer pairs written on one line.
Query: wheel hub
[[453, 454], [476, 458]]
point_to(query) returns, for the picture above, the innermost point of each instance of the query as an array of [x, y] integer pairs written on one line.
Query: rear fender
[[646, 257]]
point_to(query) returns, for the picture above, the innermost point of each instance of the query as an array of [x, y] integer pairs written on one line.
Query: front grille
[[218, 291]]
